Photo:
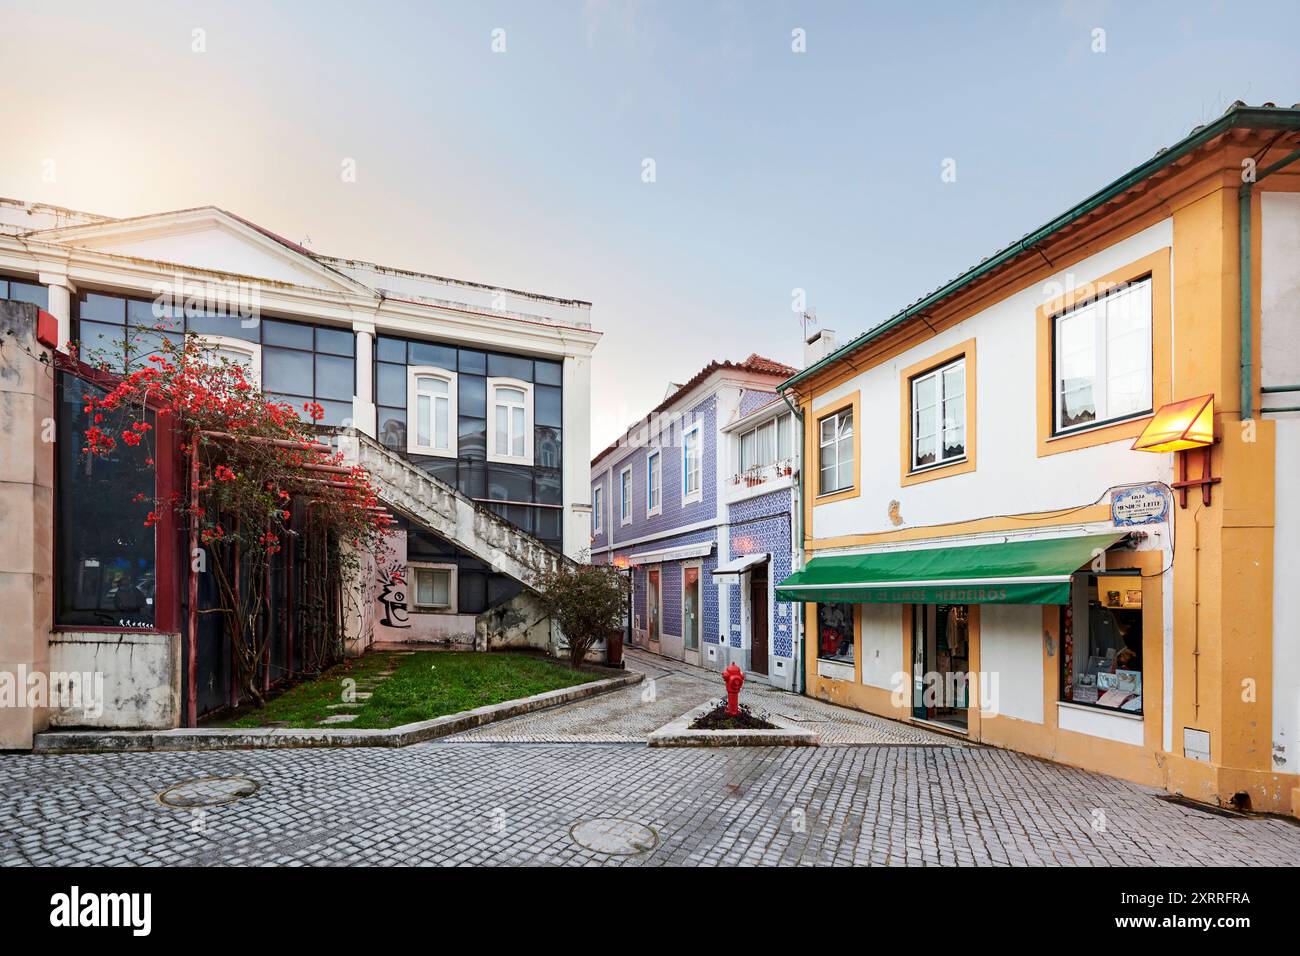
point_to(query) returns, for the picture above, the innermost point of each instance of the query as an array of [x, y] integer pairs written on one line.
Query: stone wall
[[26, 514]]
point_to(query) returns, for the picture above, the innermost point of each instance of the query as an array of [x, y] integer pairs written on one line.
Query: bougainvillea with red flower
[[255, 458]]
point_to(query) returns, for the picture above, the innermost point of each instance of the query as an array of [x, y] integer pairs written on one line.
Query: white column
[[575, 447], [363, 402], [60, 290]]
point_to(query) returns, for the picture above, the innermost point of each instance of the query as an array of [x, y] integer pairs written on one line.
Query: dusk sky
[[774, 170]]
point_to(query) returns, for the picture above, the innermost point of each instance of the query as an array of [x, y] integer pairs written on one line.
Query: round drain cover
[[612, 835], [208, 792]]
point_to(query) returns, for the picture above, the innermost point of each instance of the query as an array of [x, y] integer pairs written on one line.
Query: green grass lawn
[[425, 684]]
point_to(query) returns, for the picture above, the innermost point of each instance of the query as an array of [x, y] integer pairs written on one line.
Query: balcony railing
[[760, 475]]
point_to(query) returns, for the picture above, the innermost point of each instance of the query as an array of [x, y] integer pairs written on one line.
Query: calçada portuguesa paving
[[519, 792]]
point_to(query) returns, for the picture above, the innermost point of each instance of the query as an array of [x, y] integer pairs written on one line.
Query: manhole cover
[[612, 835], [208, 792]]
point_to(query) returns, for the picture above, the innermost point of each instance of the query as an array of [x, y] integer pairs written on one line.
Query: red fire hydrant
[[734, 678]]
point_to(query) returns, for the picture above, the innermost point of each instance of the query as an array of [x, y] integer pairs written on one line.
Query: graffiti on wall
[[392, 595]]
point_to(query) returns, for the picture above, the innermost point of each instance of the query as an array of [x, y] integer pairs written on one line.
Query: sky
[[507, 142]]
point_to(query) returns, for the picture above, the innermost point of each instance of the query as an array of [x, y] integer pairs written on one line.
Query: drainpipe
[[1245, 278], [798, 523]]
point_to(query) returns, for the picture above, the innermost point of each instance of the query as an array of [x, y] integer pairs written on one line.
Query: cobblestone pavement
[[670, 689], [489, 803]]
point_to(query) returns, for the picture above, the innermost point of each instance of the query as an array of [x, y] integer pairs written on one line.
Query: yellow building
[[994, 542]]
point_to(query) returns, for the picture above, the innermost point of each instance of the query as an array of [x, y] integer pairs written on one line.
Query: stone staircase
[[410, 490]]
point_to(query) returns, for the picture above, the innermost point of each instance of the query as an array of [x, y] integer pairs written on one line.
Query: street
[[466, 800]]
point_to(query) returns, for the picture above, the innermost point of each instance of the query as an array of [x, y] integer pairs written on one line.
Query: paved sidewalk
[[670, 689], [493, 804]]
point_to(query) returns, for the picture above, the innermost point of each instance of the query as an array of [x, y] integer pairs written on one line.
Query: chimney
[[818, 345]]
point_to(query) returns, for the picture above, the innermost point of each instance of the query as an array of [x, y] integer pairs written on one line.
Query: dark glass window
[[548, 484], [145, 342], [390, 350], [502, 588], [510, 366], [93, 307], [106, 555], [284, 370], [472, 588], [228, 325], [472, 441], [546, 447], [101, 344], [510, 483], [444, 469], [427, 353], [288, 334], [549, 373], [32, 292], [473, 361], [335, 341], [334, 378], [390, 384], [473, 478], [392, 427], [337, 414], [146, 314], [549, 525], [472, 400], [547, 408]]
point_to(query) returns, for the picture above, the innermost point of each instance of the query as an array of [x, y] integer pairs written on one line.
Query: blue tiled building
[[697, 500]]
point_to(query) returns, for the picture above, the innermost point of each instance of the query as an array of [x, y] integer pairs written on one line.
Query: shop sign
[[1145, 504]]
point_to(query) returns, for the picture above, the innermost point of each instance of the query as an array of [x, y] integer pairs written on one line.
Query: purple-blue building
[[698, 501]]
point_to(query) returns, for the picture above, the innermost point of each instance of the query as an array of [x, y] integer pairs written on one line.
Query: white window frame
[[688, 495], [834, 443], [252, 349], [527, 388], [654, 481], [626, 510], [941, 426], [1101, 341], [758, 464], [452, 587], [413, 374], [598, 508]]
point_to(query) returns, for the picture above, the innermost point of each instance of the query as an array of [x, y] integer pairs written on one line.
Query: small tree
[[251, 457], [587, 601]]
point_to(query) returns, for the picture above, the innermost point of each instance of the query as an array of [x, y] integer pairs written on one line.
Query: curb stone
[[259, 738], [677, 733]]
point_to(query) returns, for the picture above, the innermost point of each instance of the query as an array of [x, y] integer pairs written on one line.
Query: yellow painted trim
[[1157, 266], [1071, 517], [965, 466], [854, 401]]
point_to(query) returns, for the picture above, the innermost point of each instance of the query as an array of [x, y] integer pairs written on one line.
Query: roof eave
[[1238, 117]]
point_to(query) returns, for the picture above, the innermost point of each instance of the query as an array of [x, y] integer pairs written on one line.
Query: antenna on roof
[[806, 318]]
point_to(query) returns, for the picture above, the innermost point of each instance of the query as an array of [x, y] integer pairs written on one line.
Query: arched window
[[431, 411], [510, 421]]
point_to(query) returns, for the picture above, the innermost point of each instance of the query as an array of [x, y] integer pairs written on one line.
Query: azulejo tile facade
[[664, 498]]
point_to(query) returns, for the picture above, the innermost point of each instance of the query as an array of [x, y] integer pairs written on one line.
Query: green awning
[[1015, 572]]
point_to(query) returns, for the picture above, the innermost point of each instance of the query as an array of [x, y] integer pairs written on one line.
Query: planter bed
[[678, 733]]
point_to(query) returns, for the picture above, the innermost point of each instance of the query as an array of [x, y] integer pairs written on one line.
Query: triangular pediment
[[207, 239]]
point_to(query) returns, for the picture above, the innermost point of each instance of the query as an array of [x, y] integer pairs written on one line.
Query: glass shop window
[[105, 554], [835, 632], [1101, 641]]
